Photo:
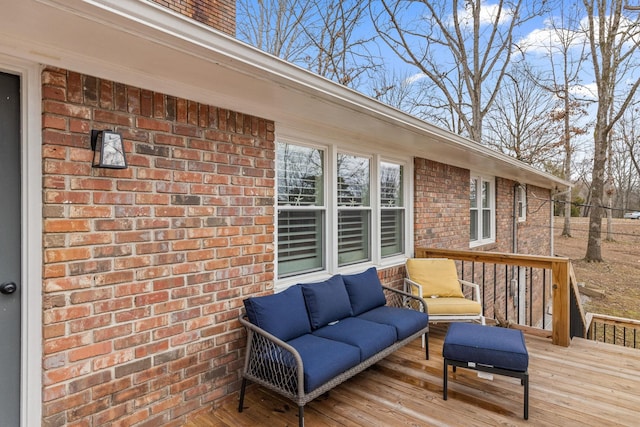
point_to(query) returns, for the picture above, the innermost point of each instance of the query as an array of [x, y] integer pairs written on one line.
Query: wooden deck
[[586, 384]]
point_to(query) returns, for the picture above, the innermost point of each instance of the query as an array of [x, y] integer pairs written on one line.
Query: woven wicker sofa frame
[[288, 381]]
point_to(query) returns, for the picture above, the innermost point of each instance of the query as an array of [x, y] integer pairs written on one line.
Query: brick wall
[[219, 14], [534, 235], [441, 205], [145, 268]]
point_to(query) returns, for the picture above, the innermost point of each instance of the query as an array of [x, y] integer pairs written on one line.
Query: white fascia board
[[157, 49]]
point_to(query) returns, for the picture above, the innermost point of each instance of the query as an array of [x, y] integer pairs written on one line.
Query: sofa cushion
[[437, 276], [365, 290], [407, 322], [369, 337], [327, 301], [283, 314], [323, 359]]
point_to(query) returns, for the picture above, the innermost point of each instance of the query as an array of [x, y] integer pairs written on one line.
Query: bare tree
[[614, 37], [340, 50], [564, 46], [521, 123], [275, 26], [626, 156], [402, 91], [629, 130], [323, 36], [623, 169], [463, 47]]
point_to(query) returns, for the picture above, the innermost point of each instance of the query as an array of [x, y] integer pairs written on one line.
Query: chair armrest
[[398, 298], [410, 286], [271, 361], [475, 287]]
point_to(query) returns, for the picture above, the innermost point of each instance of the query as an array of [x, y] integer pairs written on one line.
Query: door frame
[[31, 396]]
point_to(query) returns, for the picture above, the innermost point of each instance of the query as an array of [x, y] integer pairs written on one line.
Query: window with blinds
[[301, 209], [327, 215], [392, 210], [354, 209]]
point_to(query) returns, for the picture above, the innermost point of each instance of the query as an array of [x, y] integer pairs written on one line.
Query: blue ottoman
[[489, 349]]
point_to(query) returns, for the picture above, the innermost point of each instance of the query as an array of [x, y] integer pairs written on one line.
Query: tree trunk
[[609, 221], [594, 243], [567, 152], [566, 230]]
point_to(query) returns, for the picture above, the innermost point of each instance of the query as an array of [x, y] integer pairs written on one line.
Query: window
[[482, 214], [521, 202], [392, 210], [354, 209], [337, 209], [301, 209]]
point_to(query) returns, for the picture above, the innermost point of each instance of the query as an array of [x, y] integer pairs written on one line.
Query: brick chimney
[[219, 14]]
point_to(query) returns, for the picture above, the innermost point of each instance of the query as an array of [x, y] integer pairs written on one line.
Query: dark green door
[[10, 260]]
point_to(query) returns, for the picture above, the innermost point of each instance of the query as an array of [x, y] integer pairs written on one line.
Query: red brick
[[66, 197], [89, 351], [113, 305], [112, 332], [61, 255], [90, 212], [64, 343], [91, 184], [65, 314], [67, 283]]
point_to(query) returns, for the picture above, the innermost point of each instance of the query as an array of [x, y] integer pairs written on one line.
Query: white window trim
[[492, 206], [521, 199], [331, 149]]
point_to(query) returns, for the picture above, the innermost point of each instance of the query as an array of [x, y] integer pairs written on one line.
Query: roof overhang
[[139, 43]]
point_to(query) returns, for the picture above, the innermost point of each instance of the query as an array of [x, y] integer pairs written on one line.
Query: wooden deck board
[[586, 384]]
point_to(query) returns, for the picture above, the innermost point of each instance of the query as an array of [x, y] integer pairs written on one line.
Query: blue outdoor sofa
[[311, 337]]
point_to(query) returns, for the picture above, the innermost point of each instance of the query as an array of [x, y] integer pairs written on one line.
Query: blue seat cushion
[[323, 359], [369, 337], [365, 291], [406, 321], [486, 345], [283, 315], [326, 301]]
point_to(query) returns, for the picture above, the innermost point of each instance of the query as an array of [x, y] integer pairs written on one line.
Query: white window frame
[[521, 202], [331, 151], [491, 198]]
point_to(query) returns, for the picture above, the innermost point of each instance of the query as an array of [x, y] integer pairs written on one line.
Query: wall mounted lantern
[[108, 149]]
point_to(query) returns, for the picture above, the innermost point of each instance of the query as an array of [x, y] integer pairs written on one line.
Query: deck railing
[[534, 291], [613, 330]]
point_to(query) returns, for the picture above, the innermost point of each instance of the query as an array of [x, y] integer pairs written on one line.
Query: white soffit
[[139, 43]]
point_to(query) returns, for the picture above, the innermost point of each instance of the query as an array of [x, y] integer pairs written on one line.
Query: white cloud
[[587, 92], [488, 15], [414, 78], [550, 40]]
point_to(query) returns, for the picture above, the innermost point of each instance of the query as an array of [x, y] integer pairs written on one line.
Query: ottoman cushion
[[486, 345]]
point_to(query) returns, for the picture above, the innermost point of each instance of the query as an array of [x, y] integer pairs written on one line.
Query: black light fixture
[[108, 149]]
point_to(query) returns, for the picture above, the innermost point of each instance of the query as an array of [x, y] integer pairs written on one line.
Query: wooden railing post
[[561, 300]]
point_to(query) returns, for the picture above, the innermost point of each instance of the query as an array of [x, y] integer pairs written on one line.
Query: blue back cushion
[[327, 301], [283, 314], [365, 291]]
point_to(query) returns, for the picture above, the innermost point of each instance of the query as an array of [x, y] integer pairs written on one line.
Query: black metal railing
[[614, 330]]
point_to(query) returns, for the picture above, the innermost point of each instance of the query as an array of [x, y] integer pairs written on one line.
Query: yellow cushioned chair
[[436, 280]]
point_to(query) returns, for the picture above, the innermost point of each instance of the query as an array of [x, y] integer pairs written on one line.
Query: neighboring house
[[245, 174]]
